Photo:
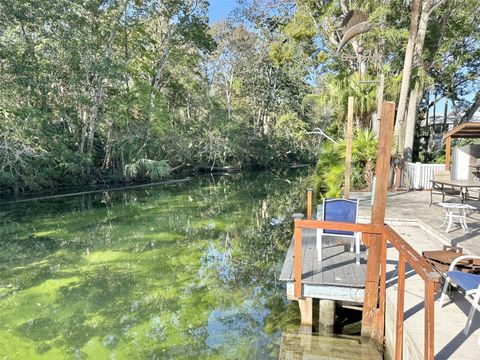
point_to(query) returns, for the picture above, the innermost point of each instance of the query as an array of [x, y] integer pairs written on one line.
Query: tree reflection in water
[[181, 271]]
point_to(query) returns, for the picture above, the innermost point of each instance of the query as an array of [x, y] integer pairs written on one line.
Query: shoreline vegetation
[[124, 91], [184, 176]]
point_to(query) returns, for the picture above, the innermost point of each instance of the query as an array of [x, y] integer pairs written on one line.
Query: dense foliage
[[329, 173], [116, 90]]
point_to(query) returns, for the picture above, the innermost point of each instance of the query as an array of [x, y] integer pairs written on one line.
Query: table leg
[[463, 219], [444, 221], [450, 220]]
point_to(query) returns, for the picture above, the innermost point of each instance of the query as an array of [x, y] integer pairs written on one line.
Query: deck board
[[287, 268], [338, 267]]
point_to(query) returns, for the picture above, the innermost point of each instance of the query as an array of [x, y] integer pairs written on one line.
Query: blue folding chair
[[470, 283], [344, 210]]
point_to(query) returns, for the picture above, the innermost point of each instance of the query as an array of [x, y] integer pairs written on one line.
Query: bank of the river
[[187, 270]]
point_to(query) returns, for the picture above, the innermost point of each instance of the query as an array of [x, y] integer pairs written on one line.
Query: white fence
[[417, 175]]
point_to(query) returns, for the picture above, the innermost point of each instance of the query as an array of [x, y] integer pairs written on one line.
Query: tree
[[407, 70], [428, 7]]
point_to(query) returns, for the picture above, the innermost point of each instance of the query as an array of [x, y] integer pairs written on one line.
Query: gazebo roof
[[465, 130]]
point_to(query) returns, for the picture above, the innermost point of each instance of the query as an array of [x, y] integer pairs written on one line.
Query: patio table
[[463, 185], [450, 214]]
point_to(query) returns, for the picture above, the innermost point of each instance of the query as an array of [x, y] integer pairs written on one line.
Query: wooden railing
[[407, 254]]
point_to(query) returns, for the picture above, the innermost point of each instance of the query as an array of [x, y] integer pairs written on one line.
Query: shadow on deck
[[336, 277]]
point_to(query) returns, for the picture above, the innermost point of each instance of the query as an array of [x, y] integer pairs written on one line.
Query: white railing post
[[417, 176]]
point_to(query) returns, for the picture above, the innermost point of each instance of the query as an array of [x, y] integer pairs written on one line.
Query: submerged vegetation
[[182, 271]]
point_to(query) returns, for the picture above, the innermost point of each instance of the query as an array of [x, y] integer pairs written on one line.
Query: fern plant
[[146, 168]]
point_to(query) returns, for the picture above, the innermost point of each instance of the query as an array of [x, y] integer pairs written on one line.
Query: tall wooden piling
[[348, 150], [372, 325]]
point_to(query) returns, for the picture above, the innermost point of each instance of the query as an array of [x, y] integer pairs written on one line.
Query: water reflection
[[180, 271]]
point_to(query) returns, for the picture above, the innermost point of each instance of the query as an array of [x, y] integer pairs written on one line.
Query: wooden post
[[380, 89], [309, 204], [297, 261], [380, 320], [348, 150], [448, 144], [306, 311], [429, 320], [326, 317], [400, 308], [371, 327]]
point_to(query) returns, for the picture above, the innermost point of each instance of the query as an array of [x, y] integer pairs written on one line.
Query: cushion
[[465, 280]]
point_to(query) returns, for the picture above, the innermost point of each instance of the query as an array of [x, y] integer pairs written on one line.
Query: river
[[180, 271]]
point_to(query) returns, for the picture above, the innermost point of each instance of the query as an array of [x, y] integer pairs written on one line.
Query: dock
[[336, 277]]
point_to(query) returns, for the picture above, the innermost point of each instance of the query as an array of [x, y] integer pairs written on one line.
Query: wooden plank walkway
[[337, 277]]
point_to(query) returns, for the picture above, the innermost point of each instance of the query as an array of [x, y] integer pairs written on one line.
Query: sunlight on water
[[179, 271]]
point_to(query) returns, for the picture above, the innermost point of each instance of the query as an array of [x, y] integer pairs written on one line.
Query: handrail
[[417, 262], [407, 255], [340, 225]]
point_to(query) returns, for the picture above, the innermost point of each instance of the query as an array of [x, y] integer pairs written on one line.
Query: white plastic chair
[[470, 283]]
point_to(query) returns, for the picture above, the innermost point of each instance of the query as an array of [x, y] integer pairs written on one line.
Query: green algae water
[[179, 271]]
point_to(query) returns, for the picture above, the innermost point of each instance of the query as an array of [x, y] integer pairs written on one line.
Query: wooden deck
[[337, 277]]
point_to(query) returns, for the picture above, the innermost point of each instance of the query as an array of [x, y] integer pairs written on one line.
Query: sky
[[219, 9]]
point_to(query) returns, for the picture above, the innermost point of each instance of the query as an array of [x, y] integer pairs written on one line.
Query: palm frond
[[146, 168]]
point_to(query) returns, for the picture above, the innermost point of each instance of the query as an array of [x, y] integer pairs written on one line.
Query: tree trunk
[[98, 101], [410, 123], [445, 116], [427, 8], [472, 109], [81, 148], [407, 70], [99, 92]]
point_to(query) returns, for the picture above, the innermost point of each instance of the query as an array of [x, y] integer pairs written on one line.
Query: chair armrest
[[460, 258]]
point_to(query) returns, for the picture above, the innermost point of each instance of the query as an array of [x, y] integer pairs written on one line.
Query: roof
[[465, 130]]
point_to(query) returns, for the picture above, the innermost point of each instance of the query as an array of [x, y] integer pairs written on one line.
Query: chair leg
[[357, 248], [431, 197], [444, 291], [319, 244], [471, 313]]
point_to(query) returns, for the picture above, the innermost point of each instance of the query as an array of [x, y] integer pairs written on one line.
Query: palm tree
[[365, 150], [329, 172], [335, 93]]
